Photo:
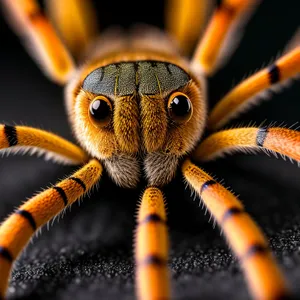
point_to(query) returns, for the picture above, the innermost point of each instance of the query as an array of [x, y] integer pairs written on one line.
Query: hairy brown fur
[[141, 130]]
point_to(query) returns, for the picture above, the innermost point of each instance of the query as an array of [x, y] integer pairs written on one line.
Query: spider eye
[[100, 111], [180, 107]]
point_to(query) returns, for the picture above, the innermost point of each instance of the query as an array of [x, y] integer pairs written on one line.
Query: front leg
[[185, 21], [16, 138], [151, 248], [262, 274], [18, 228], [220, 36], [75, 20], [41, 40], [274, 139], [246, 93]]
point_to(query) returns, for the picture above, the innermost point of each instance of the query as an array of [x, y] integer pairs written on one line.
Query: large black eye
[[100, 111], [180, 107]]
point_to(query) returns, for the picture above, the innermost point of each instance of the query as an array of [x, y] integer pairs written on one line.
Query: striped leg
[[151, 249], [17, 229], [185, 20], [222, 32], [243, 95], [76, 21], [28, 21], [281, 140], [22, 138], [264, 278]]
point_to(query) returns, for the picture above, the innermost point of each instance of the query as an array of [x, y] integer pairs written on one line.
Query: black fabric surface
[[88, 254]]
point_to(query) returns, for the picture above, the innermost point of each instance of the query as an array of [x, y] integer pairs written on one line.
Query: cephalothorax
[[139, 110], [137, 107]]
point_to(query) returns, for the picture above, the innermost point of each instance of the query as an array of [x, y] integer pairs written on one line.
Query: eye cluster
[[179, 109]]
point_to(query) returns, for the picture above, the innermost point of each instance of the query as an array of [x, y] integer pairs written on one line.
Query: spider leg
[[22, 138], [18, 228], [243, 95], [76, 21], [151, 248], [185, 20], [280, 140], [264, 278], [29, 22], [220, 36]]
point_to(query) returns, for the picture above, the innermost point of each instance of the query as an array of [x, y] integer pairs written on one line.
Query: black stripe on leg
[[4, 252], [227, 8], [274, 74], [231, 212], [36, 15], [28, 216], [79, 181], [11, 135], [155, 218], [206, 184], [261, 136], [153, 260], [255, 249], [62, 194]]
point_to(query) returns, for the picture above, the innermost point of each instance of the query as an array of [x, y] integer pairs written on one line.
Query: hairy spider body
[[138, 107], [138, 77]]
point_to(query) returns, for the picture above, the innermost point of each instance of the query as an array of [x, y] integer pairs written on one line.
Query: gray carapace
[[143, 77]]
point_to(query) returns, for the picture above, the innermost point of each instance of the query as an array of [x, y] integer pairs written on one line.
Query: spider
[[137, 107]]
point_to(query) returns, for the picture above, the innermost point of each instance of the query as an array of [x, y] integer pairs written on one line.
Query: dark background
[[88, 253]]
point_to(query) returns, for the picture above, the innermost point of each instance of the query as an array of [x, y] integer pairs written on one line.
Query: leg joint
[[153, 260], [28, 216], [206, 184], [256, 249], [155, 218], [4, 252], [62, 194], [11, 135], [233, 211]]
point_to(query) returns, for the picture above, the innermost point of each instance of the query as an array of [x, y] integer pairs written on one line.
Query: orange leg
[[16, 138], [18, 228], [281, 140], [28, 20], [151, 249], [243, 95], [185, 20], [221, 32], [264, 278], [76, 21]]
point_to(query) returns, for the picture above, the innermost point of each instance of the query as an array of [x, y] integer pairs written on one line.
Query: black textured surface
[[88, 253]]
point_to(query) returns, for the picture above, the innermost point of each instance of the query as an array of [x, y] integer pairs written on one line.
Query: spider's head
[[138, 116]]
